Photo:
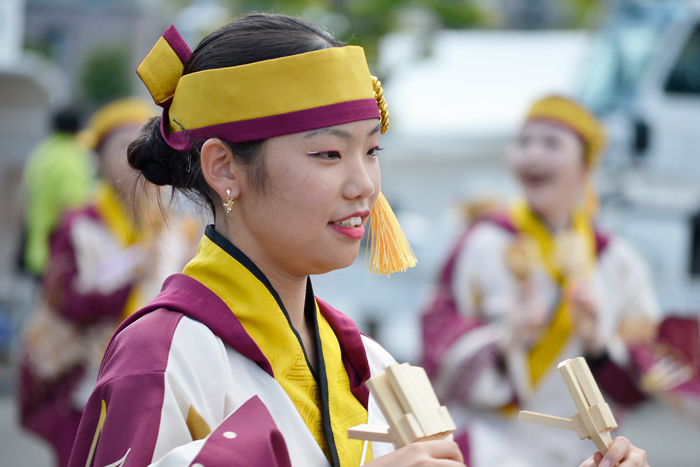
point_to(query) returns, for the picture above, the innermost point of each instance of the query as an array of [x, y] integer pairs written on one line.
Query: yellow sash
[[546, 350], [120, 224], [113, 212], [264, 320]]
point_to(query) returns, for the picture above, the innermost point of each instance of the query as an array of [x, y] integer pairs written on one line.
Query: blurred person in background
[[100, 258], [58, 176], [530, 286], [273, 125]]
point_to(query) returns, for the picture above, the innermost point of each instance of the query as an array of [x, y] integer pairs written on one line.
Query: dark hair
[[251, 39], [66, 121]]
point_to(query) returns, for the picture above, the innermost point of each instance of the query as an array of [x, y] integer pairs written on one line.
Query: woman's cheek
[[566, 178], [513, 162]]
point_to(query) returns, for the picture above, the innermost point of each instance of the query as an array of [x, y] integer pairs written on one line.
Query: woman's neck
[[556, 218], [290, 288]]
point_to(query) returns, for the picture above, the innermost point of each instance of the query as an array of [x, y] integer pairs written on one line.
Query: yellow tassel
[[389, 250]]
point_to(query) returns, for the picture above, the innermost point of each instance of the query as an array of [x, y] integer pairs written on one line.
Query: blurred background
[[458, 76]]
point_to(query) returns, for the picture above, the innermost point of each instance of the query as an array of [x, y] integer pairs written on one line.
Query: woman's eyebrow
[[333, 131], [340, 133]]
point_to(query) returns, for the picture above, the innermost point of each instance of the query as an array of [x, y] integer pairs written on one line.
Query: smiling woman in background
[[529, 287]]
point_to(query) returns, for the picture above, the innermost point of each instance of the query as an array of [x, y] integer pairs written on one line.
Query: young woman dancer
[[275, 126]]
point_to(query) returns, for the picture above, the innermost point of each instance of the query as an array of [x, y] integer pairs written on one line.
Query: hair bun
[[156, 173], [151, 155]]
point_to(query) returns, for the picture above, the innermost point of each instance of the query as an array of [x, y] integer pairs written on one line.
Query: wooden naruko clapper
[[594, 419], [409, 404]]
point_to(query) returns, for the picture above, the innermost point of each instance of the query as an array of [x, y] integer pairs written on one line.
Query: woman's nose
[[360, 183]]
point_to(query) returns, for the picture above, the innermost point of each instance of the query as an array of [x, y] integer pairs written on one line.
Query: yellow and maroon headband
[[574, 116], [259, 100]]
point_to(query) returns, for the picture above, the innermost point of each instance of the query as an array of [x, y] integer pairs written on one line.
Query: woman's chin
[[540, 199], [343, 258]]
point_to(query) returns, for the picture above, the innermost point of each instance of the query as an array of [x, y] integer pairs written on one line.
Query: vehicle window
[[685, 76], [619, 57]]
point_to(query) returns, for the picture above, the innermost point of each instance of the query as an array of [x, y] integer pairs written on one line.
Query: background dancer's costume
[[212, 372], [102, 266], [468, 322], [82, 304], [58, 176], [472, 374]]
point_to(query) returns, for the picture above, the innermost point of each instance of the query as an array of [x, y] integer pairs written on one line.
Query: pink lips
[[535, 181], [355, 233]]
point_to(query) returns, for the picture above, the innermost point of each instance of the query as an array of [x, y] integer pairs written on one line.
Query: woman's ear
[[219, 169]]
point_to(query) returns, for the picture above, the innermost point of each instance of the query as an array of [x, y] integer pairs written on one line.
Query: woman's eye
[[552, 143], [374, 152], [327, 155]]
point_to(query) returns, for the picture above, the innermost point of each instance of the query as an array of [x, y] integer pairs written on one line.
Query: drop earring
[[228, 202]]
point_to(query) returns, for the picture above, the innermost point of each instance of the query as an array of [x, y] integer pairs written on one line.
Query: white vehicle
[[642, 77]]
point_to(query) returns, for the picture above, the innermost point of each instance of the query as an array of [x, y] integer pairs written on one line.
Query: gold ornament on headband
[[389, 250], [381, 103]]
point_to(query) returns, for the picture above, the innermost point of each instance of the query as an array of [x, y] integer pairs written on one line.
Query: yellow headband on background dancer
[[119, 112], [271, 98], [581, 121]]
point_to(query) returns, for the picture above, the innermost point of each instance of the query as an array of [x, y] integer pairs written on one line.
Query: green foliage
[[280, 6], [105, 75], [582, 11], [368, 19], [371, 19], [455, 14], [41, 47]]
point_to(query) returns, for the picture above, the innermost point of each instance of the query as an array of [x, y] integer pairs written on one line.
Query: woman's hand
[[620, 453], [423, 454], [586, 310], [527, 319]]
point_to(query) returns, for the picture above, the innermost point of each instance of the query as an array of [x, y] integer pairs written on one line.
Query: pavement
[[668, 440], [17, 447]]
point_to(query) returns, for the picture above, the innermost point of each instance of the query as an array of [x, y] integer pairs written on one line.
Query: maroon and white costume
[[186, 362], [484, 385]]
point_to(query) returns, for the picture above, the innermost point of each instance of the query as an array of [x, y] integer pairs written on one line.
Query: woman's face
[[321, 186], [113, 161], [548, 160]]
